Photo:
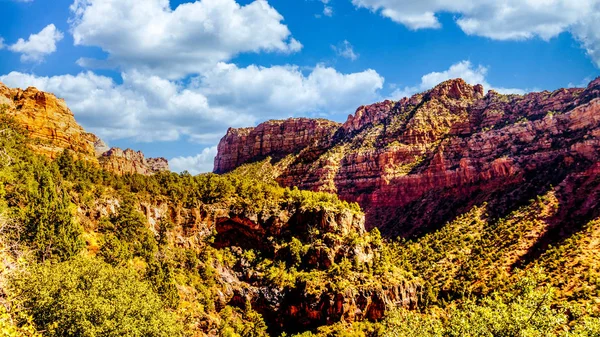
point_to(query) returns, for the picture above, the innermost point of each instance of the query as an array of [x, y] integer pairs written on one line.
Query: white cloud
[[501, 19], [2, 45], [464, 69], [150, 108], [144, 108], [346, 50], [150, 36], [176, 82], [587, 31], [201, 163], [327, 9], [38, 45], [283, 91]]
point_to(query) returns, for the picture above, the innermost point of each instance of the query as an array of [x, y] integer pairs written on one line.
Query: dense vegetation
[[68, 272], [80, 257]]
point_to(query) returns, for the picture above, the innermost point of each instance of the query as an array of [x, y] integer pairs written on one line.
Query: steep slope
[[129, 161], [275, 139], [49, 121], [214, 254], [416, 164], [236, 254]]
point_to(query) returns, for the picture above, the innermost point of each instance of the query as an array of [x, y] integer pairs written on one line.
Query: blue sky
[[169, 78]]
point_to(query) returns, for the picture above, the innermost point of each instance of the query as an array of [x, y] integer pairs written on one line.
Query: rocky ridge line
[[419, 162], [52, 125]]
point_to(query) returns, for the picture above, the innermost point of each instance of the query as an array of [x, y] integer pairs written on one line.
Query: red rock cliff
[[420, 161], [272, 139]]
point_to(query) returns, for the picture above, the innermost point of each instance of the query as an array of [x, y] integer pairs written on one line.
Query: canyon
[[327, 233], [492, 181]]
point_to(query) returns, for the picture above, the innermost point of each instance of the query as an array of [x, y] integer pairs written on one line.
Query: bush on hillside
[[88, 298]]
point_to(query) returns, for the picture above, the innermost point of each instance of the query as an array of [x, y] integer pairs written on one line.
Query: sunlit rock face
[[416, 163], [52, 125], [274, 139], [130, 161], [49, 120]]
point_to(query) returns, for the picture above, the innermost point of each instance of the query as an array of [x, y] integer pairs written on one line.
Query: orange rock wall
[[54, 128]]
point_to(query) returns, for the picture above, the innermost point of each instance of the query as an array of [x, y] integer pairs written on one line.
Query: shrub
[[88, 298], [49, 227]]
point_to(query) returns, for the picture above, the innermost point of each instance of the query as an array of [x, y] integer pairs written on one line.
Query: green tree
[[88, 298], [49, 226], [160, 276], [129, 225]]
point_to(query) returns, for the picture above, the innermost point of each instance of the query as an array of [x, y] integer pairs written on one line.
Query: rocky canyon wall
[[416, 163]]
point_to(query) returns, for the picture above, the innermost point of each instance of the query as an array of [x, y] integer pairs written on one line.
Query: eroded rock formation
[[309, 305], [418, 162], [306, 306], [275, 139], [49, 121], [130, 161]]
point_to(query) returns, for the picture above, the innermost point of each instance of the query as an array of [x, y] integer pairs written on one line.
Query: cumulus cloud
[[200, 163], [150, 36], [464, 69], [282, 91], [501, 19], [143, 108], [151, 108], [345, 50], [37, 46], [587, 31], [176, 79], [327, 9]]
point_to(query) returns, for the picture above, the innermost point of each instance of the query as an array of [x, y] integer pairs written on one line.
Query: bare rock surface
[[418, 162]]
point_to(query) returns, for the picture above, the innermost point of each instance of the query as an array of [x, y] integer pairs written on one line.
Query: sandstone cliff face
[[241, 231], [301, 307], [274, 139], [129, 161], [299, 310], [54, 129], [419, 162], [49, 120]]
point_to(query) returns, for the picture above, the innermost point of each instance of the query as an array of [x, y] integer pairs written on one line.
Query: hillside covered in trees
[[90, 252]]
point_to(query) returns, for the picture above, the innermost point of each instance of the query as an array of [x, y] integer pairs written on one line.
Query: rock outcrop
[[49, 120], [309, 305], [326, 231], [52, 125], [274, 139], [416, 163], [130, 161]]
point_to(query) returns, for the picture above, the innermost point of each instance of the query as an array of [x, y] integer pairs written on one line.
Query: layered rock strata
[[418, 162], [275, 139], [51, 124]]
